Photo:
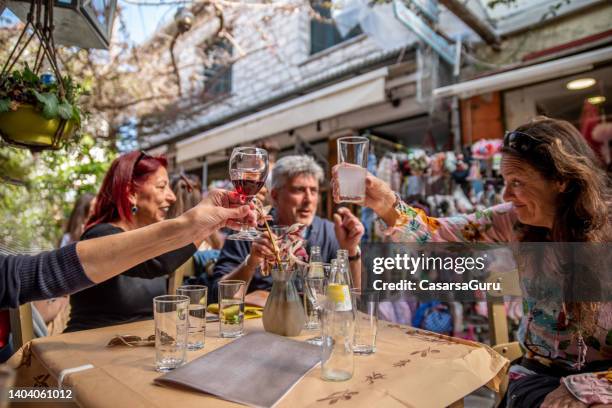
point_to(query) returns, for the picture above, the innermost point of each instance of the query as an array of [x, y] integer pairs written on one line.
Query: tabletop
[[411, 368]]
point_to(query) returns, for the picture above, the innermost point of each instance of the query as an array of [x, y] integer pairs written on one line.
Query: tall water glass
[[171, 323], [366, 320], [198, 296], [231, 308], [352, 169]]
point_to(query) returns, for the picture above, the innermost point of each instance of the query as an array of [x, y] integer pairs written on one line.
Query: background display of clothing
[[443, 184]]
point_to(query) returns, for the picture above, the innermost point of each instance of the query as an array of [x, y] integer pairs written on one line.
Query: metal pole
[[205, 175], [456, 124]]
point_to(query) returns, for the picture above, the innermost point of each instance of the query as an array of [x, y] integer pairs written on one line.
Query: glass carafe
[[283, 313]]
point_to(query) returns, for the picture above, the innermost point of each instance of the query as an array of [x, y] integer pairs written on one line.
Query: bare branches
[[165, 78]]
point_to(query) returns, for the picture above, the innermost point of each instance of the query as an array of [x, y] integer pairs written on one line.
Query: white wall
[[269, 72]]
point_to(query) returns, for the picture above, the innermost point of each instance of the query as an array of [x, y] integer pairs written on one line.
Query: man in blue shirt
[[295, 197]]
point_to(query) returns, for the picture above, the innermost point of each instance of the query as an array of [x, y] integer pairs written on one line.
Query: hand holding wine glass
[[219, 209], [248, 169]]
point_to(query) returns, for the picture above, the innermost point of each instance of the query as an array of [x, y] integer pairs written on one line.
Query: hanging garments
[[384, 169], [367, 214], [589, 118], [602, 133]]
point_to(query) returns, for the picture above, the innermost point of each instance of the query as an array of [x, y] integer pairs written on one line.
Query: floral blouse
[[539, 326]]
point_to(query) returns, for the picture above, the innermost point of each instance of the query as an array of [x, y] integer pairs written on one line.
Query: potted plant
[[36, 111]]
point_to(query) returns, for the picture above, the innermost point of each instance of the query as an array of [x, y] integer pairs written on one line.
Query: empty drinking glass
[[231, 308], [352, 171], [198, 295], [366, 320], [171, 321]]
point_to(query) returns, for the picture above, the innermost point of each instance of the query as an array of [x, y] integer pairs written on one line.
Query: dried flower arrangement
[[288, 242]]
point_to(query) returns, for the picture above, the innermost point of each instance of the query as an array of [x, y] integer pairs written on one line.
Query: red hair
[[125, 176]]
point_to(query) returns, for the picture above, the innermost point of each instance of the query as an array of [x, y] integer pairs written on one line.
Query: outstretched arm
[[408, 224], [73, 268]]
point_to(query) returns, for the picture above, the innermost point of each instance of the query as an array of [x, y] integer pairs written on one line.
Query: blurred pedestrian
[[78, 217]]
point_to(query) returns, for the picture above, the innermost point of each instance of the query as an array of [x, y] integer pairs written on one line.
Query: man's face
[[297, 200]]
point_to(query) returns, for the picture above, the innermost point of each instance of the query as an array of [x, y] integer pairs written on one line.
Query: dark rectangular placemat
[[257, 369]]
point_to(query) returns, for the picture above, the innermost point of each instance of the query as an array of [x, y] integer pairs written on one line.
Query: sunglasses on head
[[140, 157], [520, 142]]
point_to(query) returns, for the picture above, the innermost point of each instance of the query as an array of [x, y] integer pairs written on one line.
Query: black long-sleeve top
[[24, 278], [127, 297]]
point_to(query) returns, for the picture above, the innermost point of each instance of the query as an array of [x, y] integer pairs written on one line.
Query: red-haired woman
[[135, 193]]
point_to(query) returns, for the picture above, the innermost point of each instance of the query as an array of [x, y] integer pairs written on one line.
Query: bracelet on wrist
[[403, 213]]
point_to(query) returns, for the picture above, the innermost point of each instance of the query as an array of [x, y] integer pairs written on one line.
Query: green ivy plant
[[24, 87]]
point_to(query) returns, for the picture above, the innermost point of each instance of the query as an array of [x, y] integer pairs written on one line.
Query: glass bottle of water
[[338, 328], [313, 274], [315, 263], [343, 264]]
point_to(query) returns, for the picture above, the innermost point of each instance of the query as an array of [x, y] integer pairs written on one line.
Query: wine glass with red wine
[[248, 168]]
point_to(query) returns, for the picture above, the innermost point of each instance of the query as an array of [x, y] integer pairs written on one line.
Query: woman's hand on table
[[561, 398]]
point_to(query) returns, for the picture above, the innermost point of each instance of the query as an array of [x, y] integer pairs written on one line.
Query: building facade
[[315, 85]]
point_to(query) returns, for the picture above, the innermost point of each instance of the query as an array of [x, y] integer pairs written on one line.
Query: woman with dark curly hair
[[555, 192]]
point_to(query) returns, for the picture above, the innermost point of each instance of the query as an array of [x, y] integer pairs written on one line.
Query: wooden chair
[[511, 351], [498, 323], [175, 280], [22, 327]]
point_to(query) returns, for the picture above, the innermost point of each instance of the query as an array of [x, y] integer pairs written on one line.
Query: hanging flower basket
[[38, 112], [27, 127]]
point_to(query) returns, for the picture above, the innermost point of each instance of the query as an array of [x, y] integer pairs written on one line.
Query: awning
[[527, 75], [346, 96]]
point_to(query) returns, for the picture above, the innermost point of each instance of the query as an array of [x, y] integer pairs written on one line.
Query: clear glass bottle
[[315, 263], [315, 271], [338, 328], [343, 264]]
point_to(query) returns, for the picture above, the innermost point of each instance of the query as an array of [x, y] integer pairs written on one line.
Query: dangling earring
[[134, 209]]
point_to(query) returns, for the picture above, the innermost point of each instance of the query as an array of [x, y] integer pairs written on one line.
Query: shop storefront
[[575, 87]]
